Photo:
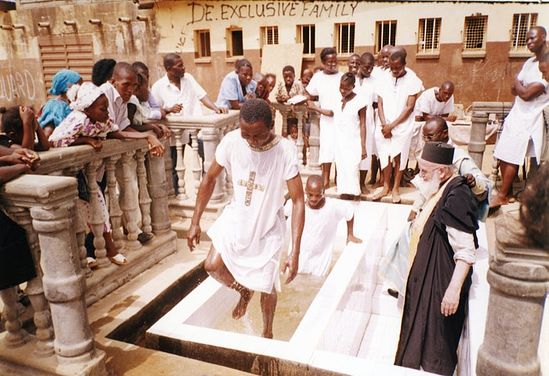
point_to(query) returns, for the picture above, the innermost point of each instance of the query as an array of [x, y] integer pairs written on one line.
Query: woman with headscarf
[[57, 109]]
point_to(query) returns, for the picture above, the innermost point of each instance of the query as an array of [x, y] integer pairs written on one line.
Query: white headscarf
[[87, 94]]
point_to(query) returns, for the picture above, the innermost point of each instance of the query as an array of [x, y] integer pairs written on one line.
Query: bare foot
[[364, 190], [267, 335], [379, 195], [497, 201], [242, 305], [396, 197]]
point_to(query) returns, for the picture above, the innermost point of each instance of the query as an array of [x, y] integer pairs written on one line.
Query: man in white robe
[[248, 236], [397, 95], [522, 134], [322, 215], [325, 85]]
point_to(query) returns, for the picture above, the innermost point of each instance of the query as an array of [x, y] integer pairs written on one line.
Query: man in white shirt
[[397, 93], [436, 102], [522, 134], [248, 237]]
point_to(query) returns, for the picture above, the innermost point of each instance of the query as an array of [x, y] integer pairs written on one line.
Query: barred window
[[522, 22], [428, 35], [474, 37], [269, 35], [202, 44], [306, 35], [345, 38], [235, 45], [385, 34]]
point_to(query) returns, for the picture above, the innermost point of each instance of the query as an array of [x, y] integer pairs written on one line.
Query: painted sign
[[18, 86], [209, 12]]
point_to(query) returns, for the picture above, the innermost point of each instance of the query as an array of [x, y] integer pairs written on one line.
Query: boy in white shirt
[[322, 216]]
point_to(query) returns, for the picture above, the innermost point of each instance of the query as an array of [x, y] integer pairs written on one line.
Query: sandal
[[119, 259], [92, 263]]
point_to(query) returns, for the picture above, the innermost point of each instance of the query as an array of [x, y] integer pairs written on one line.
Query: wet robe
[[427, 338]]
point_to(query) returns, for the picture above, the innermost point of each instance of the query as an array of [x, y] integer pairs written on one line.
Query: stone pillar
[[156, 173], [210, 136], [513, 324], [64, 283], [477, 139], [300, 143]]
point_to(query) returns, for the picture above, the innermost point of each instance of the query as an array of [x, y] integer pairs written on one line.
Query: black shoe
[[144, 237], [393, 293]]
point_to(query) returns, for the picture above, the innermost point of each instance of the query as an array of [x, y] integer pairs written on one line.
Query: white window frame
[[202, 51], [345, 49], [310, 43], [423, 38], [474, 52], [517, 46], [379, 34]]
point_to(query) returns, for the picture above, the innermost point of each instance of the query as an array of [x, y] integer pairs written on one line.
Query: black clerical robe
[[16, 263], [428, 338]]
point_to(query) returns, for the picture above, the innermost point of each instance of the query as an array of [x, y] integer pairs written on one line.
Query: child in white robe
[[349, 136], [322, 216]]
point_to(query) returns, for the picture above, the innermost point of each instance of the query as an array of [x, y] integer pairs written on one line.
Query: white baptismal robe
[[394, 93], [319, 233], [348, 146], [525, 121], [249, 234], [326, 86], [366, 88], [429, 104]]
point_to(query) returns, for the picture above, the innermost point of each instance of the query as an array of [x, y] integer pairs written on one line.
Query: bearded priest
[[443, 247]]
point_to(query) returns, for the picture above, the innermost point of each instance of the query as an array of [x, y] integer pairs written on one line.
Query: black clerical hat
[[438, 152]]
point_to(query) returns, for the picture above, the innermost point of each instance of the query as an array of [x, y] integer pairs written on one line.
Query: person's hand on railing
[[96, 144], [176, 108], [161, 131], [155, 146], [21, 156], [193, 236]]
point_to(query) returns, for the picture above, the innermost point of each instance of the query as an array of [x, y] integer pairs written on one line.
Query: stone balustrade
[[212, 128], [137, 199], [45, 206]]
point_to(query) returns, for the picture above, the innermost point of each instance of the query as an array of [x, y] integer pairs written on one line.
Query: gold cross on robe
[[250, 186]]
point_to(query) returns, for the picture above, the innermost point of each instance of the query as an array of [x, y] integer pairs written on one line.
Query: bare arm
[[204, 194], [29, 126], [362, 119], [406, 112], [380, 111], [311, 106], [295, 189], [450, 301], [235, 104], [528, 92], [206, 101], [43, 143], [8, 173]]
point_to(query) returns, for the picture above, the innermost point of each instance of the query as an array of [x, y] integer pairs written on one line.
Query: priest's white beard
[[427, 188]]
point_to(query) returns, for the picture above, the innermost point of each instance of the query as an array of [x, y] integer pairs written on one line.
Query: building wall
[[171, 24]]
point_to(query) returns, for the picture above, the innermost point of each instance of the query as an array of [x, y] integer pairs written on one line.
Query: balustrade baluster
[[144, 198], [210, 137], [129, 199], [170, 163], [97, 223], [156, 180], [115, 213], [15, 336], [197, 162], [180, 165], [81, 227], [314, 140], [35, 290], [300, 142]]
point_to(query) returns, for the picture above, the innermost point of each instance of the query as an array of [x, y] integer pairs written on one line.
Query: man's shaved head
[[447, 85], [435, 130], [315, 181], [541, 30]]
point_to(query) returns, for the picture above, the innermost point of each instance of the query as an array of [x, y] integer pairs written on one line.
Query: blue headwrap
[[61, 81]]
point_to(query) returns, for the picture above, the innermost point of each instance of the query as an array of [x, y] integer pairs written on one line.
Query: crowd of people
[[373, 118]]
